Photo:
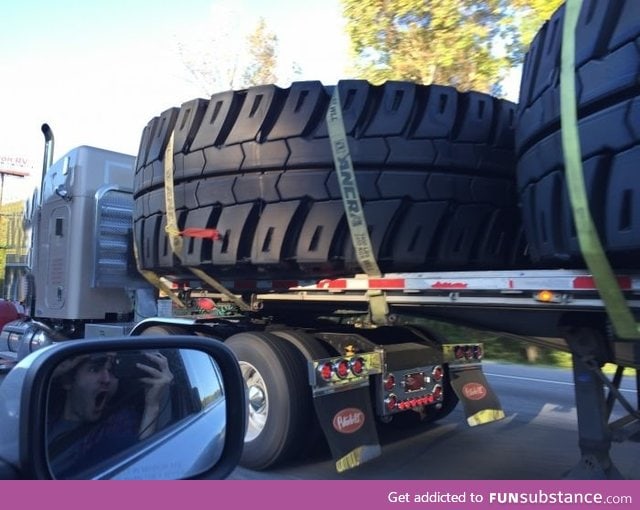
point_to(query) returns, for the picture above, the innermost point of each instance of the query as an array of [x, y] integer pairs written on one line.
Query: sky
[[98, 70]]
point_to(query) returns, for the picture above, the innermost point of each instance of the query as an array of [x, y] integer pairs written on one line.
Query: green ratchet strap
[[619, 313], [175, 237], [353, 205]]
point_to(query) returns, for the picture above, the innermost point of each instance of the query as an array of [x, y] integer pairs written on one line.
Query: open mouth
[[101, 400]]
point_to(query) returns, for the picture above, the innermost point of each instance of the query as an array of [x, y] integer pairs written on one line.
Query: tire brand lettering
[[348, 420], [474, 391]]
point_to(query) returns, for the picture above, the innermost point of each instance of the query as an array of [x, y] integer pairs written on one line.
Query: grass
[[497, 348]]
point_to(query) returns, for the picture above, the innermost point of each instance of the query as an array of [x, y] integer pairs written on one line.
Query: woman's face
[[93, 386]]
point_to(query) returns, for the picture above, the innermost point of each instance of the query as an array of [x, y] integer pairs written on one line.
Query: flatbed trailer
[[561, 309]]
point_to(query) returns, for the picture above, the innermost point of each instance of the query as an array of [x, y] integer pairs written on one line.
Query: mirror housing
[[24, 403]]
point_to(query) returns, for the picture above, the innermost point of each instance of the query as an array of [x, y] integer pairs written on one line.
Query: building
[[13, 247]]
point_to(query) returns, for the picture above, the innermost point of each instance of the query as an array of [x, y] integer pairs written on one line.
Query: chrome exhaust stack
[[48, 150]]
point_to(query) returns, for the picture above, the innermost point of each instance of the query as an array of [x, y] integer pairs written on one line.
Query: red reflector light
[[357, 366], [438, 374], [587, 282], [326, 371], [389, 382], [342, 368]]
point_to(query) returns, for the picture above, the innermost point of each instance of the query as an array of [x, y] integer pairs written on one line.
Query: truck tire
[[435, 170], [314, 441], [607, 75], [278, 398]]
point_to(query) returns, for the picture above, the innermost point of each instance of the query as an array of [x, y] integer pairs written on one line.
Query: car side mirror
[[168, 407]]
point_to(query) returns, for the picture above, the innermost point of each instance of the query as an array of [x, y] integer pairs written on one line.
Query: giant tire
[[608, 88], [435, 169], [280, 409]]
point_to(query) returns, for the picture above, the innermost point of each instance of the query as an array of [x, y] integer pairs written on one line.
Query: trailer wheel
[[607, 72], [314, 440], [435, 169], [277, 393]]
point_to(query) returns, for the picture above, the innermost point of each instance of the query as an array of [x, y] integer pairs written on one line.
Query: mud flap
[[348, 423], [481, 404]]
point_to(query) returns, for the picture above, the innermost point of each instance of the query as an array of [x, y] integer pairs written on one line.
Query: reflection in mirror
[[133, 414]]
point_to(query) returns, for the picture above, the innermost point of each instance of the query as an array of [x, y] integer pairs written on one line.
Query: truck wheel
[[435, 170], [277, 393], [607, 75]]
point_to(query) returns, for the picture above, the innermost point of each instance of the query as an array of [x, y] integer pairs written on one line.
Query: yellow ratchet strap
[[353, 205], [349, 187], [175, 238], [155, 280], [617, 309]]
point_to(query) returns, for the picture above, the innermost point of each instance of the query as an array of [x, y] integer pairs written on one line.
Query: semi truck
[[320, 231]]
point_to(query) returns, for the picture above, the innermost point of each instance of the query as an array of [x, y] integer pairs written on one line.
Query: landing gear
[[594, 407]]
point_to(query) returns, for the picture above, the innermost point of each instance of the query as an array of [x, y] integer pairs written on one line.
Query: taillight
[[326, 370], [389, 382], [391, 402], [357, 366], [342, 368]]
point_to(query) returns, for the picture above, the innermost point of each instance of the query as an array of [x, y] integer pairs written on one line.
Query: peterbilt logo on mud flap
[[348, 420], [474, 391]]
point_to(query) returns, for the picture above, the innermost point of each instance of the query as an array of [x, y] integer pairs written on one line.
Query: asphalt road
[[537, 440]]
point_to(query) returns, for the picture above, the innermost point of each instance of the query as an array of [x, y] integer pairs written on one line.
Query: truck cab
[[81, 270]]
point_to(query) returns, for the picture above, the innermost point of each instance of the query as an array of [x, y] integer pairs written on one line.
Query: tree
[[262, 48], [231, 55], [469, 44], [450, 42], [531, 15], [211, 54]]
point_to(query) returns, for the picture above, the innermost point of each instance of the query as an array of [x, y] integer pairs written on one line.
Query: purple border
[[321, 495]]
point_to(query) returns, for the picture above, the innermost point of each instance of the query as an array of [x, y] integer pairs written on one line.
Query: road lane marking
[[533, 379]]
